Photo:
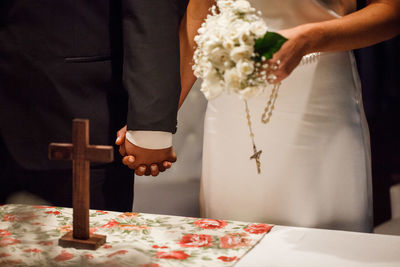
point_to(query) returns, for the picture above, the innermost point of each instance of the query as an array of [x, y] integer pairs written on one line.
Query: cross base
[[93, 243]]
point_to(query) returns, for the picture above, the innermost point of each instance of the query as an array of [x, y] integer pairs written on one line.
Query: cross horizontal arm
[[60, 151], [95, 153]]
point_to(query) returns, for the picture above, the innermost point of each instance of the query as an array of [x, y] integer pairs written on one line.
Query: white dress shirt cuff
[[150, 139]]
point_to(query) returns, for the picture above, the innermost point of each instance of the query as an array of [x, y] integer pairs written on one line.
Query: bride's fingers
[[147, 172], [154, 170], [129, 161], [277, 70], [167, 164], [140, 171], [161, 168]]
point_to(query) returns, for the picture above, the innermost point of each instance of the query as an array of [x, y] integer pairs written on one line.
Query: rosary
[[265, 118], [270, 106]]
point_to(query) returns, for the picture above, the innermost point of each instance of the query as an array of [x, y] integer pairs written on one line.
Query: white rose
[[208, 71], [211, 90], [218, 56], [224, 5], [212, 85], [239, 27], [228, 44], [209, 45], [242, 33], [224, 20], [242, 6], [244, 67], [259, 28], [241, 52], [232, 80], [246, 40]]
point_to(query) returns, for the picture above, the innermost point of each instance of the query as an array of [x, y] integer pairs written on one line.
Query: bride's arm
[[196, 12], [377, 22]]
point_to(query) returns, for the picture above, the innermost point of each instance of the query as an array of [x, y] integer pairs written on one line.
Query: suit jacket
[[111, 61]]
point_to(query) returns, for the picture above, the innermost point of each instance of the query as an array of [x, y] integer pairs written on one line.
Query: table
[[293, 246], [29, 234], [29, 237]]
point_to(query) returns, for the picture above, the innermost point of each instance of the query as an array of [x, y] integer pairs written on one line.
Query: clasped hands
[[144, 161]]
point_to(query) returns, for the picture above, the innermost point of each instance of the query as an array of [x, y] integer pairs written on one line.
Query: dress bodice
[[281, 14]]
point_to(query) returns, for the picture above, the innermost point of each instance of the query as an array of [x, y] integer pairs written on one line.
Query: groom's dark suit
[[111, 61]]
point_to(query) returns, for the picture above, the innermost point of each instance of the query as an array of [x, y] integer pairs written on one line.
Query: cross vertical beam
[[80, 182], [81, 154]]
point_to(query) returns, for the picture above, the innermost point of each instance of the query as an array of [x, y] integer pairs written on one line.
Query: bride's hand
[[289, 55]]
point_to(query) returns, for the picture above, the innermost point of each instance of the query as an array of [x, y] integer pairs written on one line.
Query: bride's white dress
[[315, 164]]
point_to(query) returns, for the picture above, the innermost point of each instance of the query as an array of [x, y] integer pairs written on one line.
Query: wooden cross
[[81, 154], [256, 156]]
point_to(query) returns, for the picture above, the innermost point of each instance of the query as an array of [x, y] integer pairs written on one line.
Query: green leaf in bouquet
[[268, 45]]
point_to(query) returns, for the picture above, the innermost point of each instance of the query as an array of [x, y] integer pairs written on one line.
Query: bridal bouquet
[[232, 44]]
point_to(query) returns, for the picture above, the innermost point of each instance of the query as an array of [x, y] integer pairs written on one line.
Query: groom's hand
[[144, 161]]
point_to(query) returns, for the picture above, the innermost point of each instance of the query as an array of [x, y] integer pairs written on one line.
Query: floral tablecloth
[[29, 237]]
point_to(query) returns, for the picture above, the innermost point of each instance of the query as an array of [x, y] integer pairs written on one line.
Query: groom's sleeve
[[151, 64]]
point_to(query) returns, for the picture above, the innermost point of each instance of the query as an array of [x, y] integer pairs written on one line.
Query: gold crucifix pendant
[[256, 156]]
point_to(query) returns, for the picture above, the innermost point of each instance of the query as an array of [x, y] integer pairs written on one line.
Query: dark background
[[379, 70]]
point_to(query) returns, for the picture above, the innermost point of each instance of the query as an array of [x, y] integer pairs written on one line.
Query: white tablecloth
[[291, 246]]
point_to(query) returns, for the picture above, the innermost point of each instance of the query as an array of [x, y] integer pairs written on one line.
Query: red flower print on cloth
[[110, 224], [9, 218], [150, 265], [155, 246], [44, 207], [259, 228], [8, 242], [227, 259], [107, 246], [128, 215], [53, 212], [234, 241], [20, 217], [65, 228], [4, 233], [3, 255], [87, 256], [195, 240], [132, 227], [102, 211], [172, 255], [34, 250], [64, 256], [210, 223], [119, 252]]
